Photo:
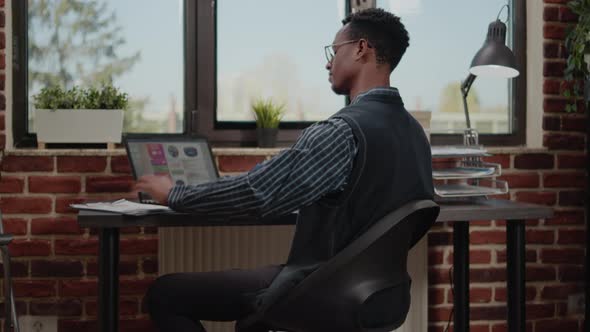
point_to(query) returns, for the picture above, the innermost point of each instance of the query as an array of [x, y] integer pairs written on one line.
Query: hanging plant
[[577, 43]]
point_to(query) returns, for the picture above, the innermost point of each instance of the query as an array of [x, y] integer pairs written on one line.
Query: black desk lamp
[[494, 59]]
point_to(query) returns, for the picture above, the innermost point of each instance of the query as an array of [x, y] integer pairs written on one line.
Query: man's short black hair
[[383, 30]]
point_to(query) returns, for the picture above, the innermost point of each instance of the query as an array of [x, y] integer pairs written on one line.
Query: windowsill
[[514, 149], [122, 152], [64, 152], [216, 151]]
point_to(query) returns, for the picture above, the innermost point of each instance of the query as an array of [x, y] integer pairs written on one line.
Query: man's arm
[[320, 162]]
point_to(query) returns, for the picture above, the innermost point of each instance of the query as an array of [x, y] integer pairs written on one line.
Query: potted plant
[[93, 115], [268, 115], [577, 43], [577, 73]]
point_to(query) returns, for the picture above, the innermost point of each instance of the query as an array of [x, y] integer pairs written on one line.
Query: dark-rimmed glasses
[[329, 50]]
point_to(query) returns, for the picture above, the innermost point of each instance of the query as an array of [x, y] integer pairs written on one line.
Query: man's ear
[[362, 50]]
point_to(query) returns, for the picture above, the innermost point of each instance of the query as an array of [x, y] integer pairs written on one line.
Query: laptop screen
[[187, 160]]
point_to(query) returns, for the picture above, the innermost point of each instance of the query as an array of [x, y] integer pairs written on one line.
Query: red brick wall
[[555, 247], [554, 250], [55, 261]]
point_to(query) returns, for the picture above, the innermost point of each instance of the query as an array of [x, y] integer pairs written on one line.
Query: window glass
[[275, 49], [136, 45], [444, 37]]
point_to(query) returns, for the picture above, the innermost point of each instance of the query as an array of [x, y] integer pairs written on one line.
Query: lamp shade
[[494, 58]]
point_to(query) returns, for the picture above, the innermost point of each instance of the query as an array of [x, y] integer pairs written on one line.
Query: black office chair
[[365, 287], [10, 318]]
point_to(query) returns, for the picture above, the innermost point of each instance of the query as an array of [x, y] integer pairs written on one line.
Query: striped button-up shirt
[[319, 163]]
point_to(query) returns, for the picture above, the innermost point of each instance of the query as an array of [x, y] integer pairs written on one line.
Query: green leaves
[[577, 43], [268, 114], [107, 97], [571, 108]]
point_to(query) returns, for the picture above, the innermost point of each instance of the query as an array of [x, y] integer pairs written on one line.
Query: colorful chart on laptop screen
[[186, 161]]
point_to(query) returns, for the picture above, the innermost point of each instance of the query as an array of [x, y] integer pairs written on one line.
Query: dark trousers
[[178, 302]]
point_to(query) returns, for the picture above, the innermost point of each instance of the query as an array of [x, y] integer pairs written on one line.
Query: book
[[125, 207]]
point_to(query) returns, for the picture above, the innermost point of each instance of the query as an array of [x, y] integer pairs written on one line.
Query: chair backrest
[[365, 287]]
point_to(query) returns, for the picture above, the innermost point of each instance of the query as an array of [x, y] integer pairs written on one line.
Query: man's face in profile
[[340, 63]]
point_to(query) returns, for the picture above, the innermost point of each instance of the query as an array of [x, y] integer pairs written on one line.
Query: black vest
[[392, 167]]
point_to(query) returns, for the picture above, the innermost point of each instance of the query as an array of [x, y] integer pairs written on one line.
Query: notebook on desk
[[187, 160]]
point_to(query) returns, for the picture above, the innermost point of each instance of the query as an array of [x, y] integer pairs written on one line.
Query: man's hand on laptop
[[157, 186]]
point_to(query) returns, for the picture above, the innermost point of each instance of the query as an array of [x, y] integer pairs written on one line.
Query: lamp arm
[[465, 87]]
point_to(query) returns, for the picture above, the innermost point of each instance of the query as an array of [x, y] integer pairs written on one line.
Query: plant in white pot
[[268, 115], [93, 115]]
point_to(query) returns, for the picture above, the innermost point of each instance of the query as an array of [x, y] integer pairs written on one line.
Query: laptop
[[187, 160]]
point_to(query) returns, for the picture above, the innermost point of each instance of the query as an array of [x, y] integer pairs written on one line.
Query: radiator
[[219, 248]]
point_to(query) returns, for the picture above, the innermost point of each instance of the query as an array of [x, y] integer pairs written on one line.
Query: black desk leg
[[108, 280], [461, 275], [515, 261]]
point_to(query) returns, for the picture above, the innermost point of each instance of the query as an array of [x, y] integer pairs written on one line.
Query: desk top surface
[[492, 209]]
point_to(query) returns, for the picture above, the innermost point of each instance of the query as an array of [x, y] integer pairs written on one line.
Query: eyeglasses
[[329, 50]]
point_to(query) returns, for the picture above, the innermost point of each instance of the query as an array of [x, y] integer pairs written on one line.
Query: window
[[194, 66], [280, 58], [137, 46], [430, 74], [265, 48]]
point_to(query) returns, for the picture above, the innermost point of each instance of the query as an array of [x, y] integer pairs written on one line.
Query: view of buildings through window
[[271, 49]]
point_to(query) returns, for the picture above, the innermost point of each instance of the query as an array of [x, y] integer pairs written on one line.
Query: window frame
[[24, 139], [204, 117], [200, 84], [517, 95], [21, 136]]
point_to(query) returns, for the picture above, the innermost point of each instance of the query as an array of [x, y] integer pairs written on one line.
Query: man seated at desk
[[342, 174]]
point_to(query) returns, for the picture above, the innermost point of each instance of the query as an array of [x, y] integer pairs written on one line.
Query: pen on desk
[[118, 201]]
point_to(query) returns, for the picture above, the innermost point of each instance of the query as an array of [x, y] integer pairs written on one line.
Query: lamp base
[[470, 137]]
